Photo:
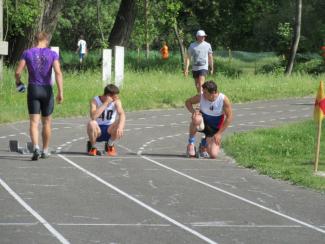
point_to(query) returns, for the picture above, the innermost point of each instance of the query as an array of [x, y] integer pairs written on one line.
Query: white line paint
[[236, 196], [162, 215], [109, 224], [54, 232], [244, 226], [198, 224], [19, 224]]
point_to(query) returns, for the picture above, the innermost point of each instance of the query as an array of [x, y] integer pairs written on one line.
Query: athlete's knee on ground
[[214, 151]]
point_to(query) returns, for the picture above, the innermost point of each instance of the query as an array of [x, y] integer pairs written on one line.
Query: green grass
[[154, 89], [285, 153]]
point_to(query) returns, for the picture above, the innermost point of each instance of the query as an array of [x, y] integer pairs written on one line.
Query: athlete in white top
[[82, 48], [214, 117], [107, 120]]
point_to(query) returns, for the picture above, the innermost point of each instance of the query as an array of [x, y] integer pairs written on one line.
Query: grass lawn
[[286, 153]]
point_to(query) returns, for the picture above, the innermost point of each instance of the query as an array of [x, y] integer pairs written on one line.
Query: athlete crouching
[[214, 116], [107, 120]]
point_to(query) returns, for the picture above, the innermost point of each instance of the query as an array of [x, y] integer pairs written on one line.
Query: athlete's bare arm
[[59, 81], [19, 70], [95, 111], [121, 122], [191, 101]]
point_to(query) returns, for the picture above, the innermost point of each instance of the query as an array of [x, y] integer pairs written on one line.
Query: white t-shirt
[[82, 46], [200, 53]]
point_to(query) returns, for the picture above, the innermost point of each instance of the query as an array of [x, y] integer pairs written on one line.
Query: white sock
[[110, 142], [45, 151], [36, 147]]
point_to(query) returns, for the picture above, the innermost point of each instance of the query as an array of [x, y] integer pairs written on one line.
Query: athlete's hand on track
[[119, 132]]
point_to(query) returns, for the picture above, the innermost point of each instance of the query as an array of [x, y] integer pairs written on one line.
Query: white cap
[[200, 33]]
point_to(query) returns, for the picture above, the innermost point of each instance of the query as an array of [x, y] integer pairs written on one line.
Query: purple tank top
[[39, 63]]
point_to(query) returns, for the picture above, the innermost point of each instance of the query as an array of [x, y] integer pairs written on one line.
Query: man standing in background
[[200, 52], [82, 48]]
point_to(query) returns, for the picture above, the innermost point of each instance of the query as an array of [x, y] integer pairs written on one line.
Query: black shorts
[[40, 99], [209, 131], [201, 72]]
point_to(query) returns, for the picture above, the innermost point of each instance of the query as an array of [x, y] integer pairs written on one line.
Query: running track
[[151, 193]]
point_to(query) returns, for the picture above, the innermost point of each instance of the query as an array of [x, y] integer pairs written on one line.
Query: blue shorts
[[104, 136], [201, 72], [81, 55]]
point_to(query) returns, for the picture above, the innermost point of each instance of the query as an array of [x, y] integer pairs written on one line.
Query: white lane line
[[235, 196], [162, 215], [196, 224], [111, 224], [54, 232], [19, 224]]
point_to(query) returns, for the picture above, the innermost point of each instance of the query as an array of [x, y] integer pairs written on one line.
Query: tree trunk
[[100, 24], [146, 14], [180, 44], [295, 39], [47, 22], [124, 23]]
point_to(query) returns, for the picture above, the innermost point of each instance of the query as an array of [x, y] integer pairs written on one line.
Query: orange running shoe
[[111, 151], [92, 151]]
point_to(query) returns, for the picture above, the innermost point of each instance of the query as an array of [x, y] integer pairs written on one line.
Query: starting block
[[15, 147]]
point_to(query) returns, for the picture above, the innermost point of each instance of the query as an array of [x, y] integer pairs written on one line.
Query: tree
[[92, 19], [124, 23], [27, 18], [296, 38], [48, 19]]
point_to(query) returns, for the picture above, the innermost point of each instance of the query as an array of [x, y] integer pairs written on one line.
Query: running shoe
[[92, 151], [36, 154], [203, 152], [45, 155], [190, 151], [111, 151]]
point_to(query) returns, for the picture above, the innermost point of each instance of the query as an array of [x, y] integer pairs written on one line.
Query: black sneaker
[[36, 154]]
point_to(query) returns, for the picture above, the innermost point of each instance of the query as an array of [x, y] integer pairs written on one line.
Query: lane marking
[[144, 205], [235, 196], [46, 224], [111, 224], [19, 224], [195, 224]]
